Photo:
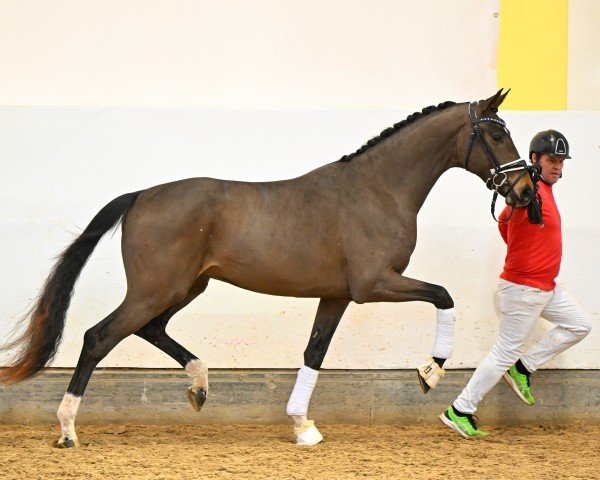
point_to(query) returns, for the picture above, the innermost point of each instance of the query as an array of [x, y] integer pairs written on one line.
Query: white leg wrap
[[444, 333], [300, 397], [66, 414], [198, 372]]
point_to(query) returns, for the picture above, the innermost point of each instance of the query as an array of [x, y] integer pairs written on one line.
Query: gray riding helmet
[[550, 142]]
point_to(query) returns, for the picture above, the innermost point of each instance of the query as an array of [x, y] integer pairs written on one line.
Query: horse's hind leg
[[154, 333], [67, 410], [98, 341], [393, 287], [328, 317]]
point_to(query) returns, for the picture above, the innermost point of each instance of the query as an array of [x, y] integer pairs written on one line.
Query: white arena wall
[[237, 54], [61, 165], [101, 98]]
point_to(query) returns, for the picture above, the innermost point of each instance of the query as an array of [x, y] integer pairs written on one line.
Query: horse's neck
[[410, 166]]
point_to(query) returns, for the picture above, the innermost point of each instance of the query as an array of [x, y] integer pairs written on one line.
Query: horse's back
[[274, 237]]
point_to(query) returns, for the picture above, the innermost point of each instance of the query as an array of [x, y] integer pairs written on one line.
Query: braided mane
[[397, 126]]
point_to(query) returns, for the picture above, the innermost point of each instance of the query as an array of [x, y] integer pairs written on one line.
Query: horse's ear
[[492, 103], [502, 98]]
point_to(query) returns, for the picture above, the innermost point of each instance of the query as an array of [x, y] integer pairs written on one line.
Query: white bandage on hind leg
[[300, 397], [444, 333]]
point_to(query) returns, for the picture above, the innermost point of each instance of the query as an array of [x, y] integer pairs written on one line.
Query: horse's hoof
[[424, 387], [308, 434], [429, 374], [197, 397], [67, 443]]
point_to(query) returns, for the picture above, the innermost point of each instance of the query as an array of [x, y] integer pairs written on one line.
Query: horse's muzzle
[[526, 195], [517, 201]]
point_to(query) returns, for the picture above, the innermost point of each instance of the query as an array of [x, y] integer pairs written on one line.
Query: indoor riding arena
[[304, 192]]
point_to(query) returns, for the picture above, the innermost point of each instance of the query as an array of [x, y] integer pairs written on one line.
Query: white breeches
[[519, 307]]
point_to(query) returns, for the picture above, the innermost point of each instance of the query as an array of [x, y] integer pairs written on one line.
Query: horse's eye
[[497, 137]]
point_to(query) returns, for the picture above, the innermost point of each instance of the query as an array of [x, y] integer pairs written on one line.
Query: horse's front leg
[[393, 287], [328, 317]]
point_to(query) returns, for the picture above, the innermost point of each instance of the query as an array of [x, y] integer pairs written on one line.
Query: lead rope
[[534, 209]]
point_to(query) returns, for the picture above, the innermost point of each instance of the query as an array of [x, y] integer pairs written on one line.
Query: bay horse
[[342, 233]]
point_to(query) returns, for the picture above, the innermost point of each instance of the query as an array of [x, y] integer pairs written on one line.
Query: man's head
[[549, 149]]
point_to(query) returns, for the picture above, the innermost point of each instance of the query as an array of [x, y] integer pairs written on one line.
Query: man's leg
[[572, 326], [519, 308]]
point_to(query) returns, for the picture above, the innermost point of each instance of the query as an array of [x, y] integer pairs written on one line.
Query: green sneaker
[[465, 426], [520, 384]]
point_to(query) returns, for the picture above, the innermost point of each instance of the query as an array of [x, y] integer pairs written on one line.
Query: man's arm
[[503, 224]]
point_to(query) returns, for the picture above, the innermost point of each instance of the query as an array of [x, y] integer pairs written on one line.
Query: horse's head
[[492, 155]]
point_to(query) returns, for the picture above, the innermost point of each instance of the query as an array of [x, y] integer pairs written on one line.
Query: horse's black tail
[[39, 342]]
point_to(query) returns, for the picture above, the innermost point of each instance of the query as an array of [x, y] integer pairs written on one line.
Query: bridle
[[498, 173]]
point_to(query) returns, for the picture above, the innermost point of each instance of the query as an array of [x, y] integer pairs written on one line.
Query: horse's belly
[[283, 279]]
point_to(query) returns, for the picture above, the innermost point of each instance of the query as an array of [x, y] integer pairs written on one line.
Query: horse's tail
[[39, 342]]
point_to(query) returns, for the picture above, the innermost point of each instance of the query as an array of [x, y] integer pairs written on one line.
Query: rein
[[499, 172]]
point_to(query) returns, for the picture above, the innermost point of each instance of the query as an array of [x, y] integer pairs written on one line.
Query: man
[[527, 290]]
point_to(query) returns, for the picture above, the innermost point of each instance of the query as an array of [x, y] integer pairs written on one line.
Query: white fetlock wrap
[[300, 397], [431, 373], [444, 333], [67, 411], [308, 434]]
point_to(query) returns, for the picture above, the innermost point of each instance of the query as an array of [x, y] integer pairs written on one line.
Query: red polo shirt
[[533, 253]]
